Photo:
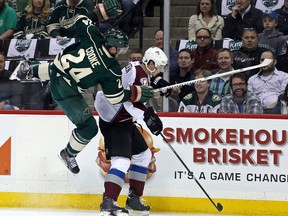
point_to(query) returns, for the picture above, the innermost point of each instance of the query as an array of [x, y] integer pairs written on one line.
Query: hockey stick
[[219, 207], [263, 64]]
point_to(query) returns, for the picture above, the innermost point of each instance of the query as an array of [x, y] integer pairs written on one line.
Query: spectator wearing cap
[[270, 35]]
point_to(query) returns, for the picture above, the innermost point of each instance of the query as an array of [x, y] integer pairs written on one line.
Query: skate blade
[[138, 213], [108, 213], [65, 164]]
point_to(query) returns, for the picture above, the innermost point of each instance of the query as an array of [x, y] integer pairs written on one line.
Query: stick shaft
[[263, 64], [198, 183]]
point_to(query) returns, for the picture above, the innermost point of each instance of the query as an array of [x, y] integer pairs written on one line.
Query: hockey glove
[[153, 121], [159, 82], [140, 93], [109, 9]]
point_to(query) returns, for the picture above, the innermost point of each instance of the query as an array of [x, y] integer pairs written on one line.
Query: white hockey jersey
[[132, 74]]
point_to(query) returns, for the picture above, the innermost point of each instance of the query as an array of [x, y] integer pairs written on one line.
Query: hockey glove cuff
[[140, 94], [159, 82], [108, 9], [153, 121]]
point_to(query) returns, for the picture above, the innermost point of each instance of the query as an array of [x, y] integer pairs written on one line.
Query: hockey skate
[[22, 72], [69, 162], [110, 208], [135, 205]]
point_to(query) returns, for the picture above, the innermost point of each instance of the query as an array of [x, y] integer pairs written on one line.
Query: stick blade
[[266, 62], [219, 207]]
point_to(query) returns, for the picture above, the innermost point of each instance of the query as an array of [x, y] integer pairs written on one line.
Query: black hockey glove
[[153, 121], [159, 82]]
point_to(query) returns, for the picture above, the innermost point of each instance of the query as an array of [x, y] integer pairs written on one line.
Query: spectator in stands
[[204, 54], [270, 35], [249, 54], [32, 22], [136, 55], [221, 85], [206, 17], [283, 101], [202, 100], [240, 100], [243, 15], [8, 20], [4, 77], [62, 19], [158, 41], [269, 83], [184, 72], [18, 5], [283, 19], [157, 103], [133, 19]]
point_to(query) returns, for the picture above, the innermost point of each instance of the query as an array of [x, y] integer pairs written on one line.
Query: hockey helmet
[[117, 38], [156, 55]]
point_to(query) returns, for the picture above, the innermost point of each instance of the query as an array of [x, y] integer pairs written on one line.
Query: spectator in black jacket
[[283, 19], [243, 15]]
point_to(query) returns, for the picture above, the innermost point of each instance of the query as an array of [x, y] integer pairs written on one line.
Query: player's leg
[[141, 157], [78, 111], [117, 140]]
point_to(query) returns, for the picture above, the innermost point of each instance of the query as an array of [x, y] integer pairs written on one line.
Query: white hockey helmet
[[156, 55]]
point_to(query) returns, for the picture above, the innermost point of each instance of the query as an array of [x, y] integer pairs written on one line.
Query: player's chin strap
[[263, 64]]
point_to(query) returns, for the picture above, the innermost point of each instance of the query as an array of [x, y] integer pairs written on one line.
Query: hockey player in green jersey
[[82, 65]]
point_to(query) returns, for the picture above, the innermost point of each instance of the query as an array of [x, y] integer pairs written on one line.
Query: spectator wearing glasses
[[206, 17], [204, 54], [269, 83], [243, 15], [240, 100], [136, 55]]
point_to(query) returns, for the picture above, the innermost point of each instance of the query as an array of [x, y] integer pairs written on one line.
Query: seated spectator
[[206, 17], [133, 19], [240, 100], [221, 85], [184, 72], [62, 19], [32, 22], [283, 102], [243, 15], [269, 83], [283, 19], [136, 55], [18, 5], [202, 100], [5, 103], [8, 20], [158, 41], [249, 54], [204, 54], [271, 36], [157, 103]]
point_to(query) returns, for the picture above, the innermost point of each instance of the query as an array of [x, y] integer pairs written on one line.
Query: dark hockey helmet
[[117, 38]]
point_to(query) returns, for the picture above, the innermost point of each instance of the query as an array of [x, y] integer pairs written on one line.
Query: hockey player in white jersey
[[124, 144]]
